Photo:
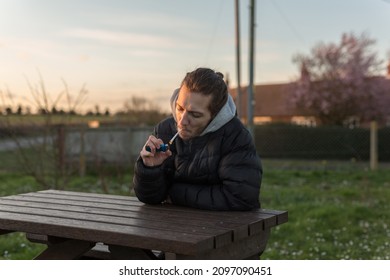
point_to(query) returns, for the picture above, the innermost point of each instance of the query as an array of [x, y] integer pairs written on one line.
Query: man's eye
[[196, 116]]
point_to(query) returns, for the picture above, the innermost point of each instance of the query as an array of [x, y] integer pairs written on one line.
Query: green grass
[[337, 210], [333, 214]]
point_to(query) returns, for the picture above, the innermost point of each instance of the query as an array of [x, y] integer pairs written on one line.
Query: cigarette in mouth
[[173, 138]]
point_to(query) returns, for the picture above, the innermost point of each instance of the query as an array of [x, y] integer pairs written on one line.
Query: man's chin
[[185, 135]]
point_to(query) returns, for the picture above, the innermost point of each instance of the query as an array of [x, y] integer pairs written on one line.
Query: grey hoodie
[[227, 112]]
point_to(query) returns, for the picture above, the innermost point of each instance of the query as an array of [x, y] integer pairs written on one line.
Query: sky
[[118, 49]]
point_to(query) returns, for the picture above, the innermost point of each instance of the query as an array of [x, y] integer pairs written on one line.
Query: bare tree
[[140, 110], [40, 149]]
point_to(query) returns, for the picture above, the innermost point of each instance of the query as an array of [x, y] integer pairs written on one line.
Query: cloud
[[155, 53], [146, 20], [25, 49], [121, 38]]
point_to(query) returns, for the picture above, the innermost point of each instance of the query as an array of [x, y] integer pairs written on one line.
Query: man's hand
[[154, 158]]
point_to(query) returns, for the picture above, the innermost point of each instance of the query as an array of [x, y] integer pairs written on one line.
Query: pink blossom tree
[[340, 81]]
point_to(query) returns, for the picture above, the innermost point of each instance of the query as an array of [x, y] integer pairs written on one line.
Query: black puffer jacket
[[219, 170]]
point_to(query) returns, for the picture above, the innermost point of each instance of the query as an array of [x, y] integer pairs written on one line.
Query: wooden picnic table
[[78, 225]]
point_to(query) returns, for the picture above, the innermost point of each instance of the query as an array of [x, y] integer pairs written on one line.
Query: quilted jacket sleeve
[[151, 183]]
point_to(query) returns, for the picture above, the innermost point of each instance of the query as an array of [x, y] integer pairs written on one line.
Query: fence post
[[82, 153], [373, 145], [61, 147]]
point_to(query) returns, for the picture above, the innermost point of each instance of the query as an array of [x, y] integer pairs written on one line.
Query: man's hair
[[208, 82]]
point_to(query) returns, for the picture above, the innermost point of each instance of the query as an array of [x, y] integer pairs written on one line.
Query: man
[[213, 163]]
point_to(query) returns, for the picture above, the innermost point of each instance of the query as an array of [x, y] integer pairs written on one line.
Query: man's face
[[192, 113]]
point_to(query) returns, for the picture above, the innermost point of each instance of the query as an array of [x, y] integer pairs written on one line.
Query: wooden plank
[[129, 213], [37, 238], [281, 216], [142, 223], [174, 211], [179, 225], [136, 224], [128, 200], [254, 220], [74, 196], [44, 239], [268, 220], [238, 229], [221, 236], [195, 213], [185, 243], [91, 195], [243, 249]]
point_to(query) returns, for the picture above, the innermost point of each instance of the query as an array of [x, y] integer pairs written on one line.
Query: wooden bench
[[78, 225]]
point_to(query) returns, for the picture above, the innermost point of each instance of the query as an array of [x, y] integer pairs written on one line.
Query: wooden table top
[[124, 221]]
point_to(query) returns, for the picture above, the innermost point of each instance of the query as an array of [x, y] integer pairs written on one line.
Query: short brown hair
[[208, 82]]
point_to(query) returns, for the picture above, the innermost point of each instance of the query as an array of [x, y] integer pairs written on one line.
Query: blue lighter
[[162, 148]]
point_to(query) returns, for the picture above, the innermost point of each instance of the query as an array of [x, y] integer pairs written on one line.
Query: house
[[271, 105]]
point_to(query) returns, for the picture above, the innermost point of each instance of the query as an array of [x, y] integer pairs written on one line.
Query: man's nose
[[184, 119]]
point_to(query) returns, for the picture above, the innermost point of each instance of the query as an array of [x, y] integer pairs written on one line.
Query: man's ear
[[173, 100]]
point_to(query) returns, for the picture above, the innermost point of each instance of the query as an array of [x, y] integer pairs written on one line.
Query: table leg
[[66, 250], [128, 253], [2, 231]]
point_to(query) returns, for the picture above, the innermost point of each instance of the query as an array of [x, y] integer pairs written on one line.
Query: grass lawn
[[340, 213], [337, 210]]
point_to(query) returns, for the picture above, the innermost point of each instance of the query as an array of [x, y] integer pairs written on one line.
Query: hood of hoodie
[[227, 112]]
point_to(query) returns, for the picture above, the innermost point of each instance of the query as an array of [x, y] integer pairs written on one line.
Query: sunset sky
[[125, 48]]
